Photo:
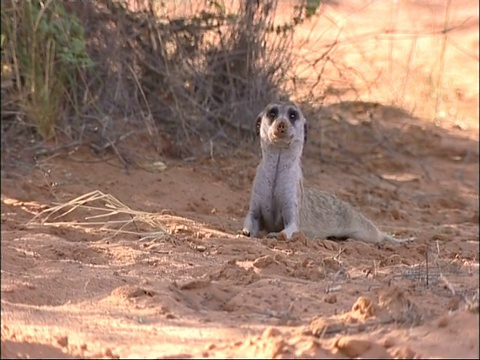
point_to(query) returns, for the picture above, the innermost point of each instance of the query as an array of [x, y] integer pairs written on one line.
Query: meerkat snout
[[280, 129]]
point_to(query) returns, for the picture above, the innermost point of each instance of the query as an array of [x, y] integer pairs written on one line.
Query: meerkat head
[[281, 123]]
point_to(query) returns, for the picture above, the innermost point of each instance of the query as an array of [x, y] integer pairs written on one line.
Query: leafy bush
[[43, 46]]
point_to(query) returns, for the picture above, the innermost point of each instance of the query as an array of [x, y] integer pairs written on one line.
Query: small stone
[[62, 341]]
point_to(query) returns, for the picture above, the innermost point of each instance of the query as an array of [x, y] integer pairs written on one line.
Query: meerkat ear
[[258, 123], [305, 132]]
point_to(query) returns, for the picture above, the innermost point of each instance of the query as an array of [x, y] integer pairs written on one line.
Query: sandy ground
[[200, 290]]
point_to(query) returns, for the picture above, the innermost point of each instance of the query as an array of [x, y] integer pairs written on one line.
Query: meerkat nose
[[282, 127]]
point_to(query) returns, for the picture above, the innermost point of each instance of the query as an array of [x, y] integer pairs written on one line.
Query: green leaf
[[311, 7]]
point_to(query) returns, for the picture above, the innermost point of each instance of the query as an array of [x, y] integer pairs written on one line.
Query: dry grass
[[106, 214], [403, 59], [198, 72]]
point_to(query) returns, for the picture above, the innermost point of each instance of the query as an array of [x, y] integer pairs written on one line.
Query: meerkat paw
[[245, 232], [281, 236], [273, 235]]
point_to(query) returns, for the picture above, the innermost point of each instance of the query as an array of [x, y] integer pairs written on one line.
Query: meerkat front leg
[[251, 225], [287, 232], [290, 216]]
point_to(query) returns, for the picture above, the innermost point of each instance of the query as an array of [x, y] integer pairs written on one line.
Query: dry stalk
[[438, 84], [102, 216], [201, 72]]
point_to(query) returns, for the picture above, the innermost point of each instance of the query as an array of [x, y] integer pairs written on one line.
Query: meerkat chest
[[279, 182]]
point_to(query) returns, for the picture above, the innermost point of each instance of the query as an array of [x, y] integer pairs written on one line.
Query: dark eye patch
[[258, 124], [272, 113], [292, 115]]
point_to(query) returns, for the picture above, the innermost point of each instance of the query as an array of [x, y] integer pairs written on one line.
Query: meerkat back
[[324, 215]]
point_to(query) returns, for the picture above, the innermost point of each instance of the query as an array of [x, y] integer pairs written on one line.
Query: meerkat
[[280, 204]]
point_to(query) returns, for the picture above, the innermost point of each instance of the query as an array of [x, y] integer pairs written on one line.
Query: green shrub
[[44, 47]]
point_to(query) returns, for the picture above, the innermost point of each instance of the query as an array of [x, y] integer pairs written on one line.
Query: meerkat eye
[[272, 113], [292, 114]]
